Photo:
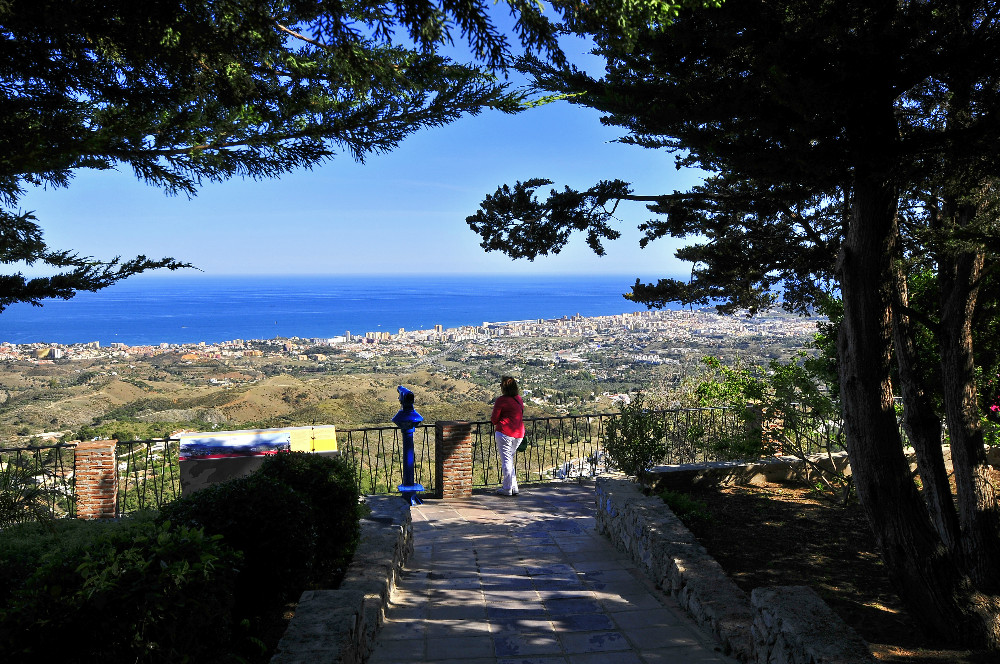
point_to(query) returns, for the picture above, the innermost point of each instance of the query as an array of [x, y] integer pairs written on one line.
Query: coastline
[[214, 309], [679, 325]]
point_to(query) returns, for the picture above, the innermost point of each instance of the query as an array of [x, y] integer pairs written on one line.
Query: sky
[[398, 213]]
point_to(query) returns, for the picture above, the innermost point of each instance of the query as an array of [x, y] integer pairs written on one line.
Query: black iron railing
[[148, 473], [46, 471], [377, 456], [801, 431], [560, 448]]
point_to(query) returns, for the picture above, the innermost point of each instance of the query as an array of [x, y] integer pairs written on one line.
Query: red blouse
[[508, 416]]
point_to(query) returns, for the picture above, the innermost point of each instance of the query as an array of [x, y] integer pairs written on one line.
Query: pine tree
[[852, 144], [188, 92]]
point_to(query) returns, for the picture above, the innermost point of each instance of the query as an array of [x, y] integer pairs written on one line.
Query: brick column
[[96, 480], [453, 459]]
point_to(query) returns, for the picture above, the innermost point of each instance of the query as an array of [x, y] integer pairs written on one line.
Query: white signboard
[[228, 444]]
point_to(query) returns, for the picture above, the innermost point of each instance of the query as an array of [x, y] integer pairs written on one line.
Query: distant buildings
[[673, 326]]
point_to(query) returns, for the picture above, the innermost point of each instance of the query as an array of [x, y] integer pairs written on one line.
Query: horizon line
[[200, 274]]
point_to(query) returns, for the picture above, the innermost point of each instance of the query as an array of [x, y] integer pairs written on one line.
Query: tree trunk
[[921, 567], [958, 274], [923, 426]]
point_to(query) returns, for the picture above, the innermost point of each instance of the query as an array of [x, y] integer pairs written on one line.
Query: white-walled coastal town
[[680, 326]]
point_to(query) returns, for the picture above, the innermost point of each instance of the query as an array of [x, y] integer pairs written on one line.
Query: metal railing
[[148, 473], [49, 468], [559, 448], [801, 431], [377, 456]]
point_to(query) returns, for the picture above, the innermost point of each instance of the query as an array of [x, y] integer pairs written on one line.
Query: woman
[[508, 419]]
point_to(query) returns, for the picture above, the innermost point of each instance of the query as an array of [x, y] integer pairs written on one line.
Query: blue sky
[[401, 212]]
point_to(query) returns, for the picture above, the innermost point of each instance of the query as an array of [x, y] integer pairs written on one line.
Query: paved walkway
[[528, 580]]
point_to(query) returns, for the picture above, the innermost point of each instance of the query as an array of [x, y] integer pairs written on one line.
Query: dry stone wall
[[340, 626], [792, 625], [784, 625], [774, 469]]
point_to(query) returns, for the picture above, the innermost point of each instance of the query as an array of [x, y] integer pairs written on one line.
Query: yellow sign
[[322, 438]]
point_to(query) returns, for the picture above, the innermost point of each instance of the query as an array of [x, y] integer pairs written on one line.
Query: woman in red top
[[508, 419]]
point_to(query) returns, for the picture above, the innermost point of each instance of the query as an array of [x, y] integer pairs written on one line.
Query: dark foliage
[[139, 591], [186, 92], [197, 582], [849, 145], [329, 486], [266, 520]]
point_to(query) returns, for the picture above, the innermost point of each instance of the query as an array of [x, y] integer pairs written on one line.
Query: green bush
[[270, 523], [196, 582], [24, 547], [329, 486], [138, 591], [634, 439]]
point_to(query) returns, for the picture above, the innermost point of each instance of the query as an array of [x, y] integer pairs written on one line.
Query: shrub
[[142, 592], [329, 486], [157, 588], [634, 439], [24, 547], [270, 523], [685, 507]]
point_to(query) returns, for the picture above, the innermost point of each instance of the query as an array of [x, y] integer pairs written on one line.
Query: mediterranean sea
[[175, 308]]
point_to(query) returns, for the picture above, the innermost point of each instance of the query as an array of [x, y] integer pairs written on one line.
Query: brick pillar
[[96, 480], [453, 459]]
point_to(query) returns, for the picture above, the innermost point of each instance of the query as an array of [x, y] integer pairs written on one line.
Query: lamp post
[[407, 419]]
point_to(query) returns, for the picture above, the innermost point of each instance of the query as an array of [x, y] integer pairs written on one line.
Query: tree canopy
[[770, 119], [183, 93], [852, 147]]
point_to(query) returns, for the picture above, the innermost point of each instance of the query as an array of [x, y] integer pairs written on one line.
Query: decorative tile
[[592, 642], [512, 645], [583, 622]]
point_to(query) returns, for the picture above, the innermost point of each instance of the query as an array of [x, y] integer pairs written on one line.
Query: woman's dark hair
[[508, 386]]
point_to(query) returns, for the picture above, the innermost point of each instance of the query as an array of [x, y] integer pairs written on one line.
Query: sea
[[183, 309]]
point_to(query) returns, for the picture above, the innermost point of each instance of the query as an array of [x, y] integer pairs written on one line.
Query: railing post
[[96, 480], [453, 459]]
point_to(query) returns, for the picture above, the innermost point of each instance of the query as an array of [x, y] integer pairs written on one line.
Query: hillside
[[133, 394], [66, 399]]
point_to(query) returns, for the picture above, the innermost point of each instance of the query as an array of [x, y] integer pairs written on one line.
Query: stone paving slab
[[528, 580]]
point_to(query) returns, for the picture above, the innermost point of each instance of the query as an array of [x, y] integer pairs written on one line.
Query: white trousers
[[506, 448]]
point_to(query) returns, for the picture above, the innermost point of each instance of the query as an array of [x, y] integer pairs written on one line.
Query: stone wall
[[780, 469], [340, 626], [793, 624], [774, 469], [777, 626]]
